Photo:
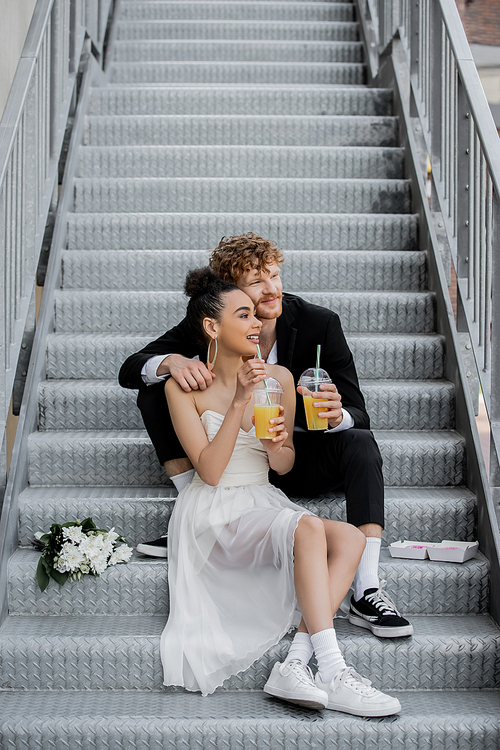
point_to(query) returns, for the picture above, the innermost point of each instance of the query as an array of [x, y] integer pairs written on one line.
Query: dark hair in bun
[[206, 291]]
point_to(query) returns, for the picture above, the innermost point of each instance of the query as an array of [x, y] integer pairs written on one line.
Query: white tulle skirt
[[230, 574]]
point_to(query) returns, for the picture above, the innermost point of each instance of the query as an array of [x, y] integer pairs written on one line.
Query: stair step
[[238, 72], [104, 405], [94, 356], [250, 194], [122, 653], [240, 100], [141, 514], [127, 458], [326, 31], [142, 720], [360, 312], [322, 271], [163, 50], [234, 161], [162, 10], [141, 587], [292, 231], [265, 130]]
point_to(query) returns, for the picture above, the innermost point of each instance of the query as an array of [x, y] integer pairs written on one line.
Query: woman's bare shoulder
[[173, 390], [280, 373]]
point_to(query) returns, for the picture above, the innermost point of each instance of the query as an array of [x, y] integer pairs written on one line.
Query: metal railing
[[31, 137], [464, 152]]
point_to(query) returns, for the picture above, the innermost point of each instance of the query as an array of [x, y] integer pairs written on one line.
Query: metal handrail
[[464, 152], [31, 135]]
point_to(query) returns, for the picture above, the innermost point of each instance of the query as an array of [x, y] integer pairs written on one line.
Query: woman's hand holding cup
[[277, 432], [250, 373]]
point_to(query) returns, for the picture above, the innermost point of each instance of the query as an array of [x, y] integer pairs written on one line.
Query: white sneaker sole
[[380, 631], [151, 550], [294, 698], [366, 711]]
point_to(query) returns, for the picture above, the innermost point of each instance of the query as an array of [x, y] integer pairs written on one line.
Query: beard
[[269, 312]]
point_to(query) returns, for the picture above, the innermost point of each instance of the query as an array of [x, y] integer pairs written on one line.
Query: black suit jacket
[[299, 329]]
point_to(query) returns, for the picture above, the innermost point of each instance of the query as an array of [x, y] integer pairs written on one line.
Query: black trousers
[[349, 460]]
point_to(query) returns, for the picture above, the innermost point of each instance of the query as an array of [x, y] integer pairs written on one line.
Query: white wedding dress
[[230, 569]]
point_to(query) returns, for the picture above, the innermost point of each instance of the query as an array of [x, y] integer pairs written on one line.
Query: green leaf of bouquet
[[61, 578], [41, 575], [88, 525], [45, 538]]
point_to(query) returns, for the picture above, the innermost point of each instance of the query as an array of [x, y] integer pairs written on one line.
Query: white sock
[[301, 648], [328, 655], [367, 573], [181, 480]]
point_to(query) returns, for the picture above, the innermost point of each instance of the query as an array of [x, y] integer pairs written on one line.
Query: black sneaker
[[156, 548], [376, 612]]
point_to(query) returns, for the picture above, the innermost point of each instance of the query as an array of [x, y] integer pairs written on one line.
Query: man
[[345, 456]]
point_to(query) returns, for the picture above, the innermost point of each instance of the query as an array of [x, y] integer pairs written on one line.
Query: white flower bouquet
[[77, 548]]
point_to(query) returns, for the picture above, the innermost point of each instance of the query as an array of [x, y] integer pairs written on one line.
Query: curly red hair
[[236, 255]]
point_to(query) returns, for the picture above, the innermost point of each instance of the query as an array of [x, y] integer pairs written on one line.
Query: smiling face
[[238, 330], [265, 289]]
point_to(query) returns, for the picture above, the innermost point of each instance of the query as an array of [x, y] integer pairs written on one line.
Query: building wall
[[15, 21], [481, 20]]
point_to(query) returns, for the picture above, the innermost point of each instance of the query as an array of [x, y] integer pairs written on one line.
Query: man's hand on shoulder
[[191, 374]]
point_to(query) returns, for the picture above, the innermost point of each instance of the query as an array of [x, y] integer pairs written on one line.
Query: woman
[[242, 556]]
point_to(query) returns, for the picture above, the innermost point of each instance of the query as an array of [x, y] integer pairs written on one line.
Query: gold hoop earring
[[210, 365]]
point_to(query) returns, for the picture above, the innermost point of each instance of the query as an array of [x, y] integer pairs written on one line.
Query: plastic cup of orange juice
[[310, 380], [266, 406]]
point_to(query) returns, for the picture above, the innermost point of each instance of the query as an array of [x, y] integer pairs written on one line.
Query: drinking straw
[[318, 354], [265, 381]]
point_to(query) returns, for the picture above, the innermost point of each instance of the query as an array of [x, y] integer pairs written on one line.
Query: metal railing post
[[436, 82], [494, 412], [464, 183], [381, 17]]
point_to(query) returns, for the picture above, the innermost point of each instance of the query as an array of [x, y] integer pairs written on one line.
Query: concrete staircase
[[223, 118]]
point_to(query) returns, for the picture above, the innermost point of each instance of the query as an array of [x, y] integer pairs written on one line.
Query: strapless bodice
[[249, 463]]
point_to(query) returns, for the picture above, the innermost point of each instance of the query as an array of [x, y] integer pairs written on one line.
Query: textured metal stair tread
[[224, 11], [241, 29], [464, 654], [141, 587], [292, 231], [233, 161], [396, 356], [127, 457], [25, 558], [142, 513], [286, 130], [250, 719], [284, 99], [241, 194], [59, 627], [127, 311], [166, 269], [240, 72], [100, 404], [41, 495], [250, 50]]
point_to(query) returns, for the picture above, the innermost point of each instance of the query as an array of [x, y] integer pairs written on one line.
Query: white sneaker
[[293, 681], [353, 694]]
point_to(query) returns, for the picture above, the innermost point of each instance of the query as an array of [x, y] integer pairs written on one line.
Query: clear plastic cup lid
[[316, 374], [273, 386]]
